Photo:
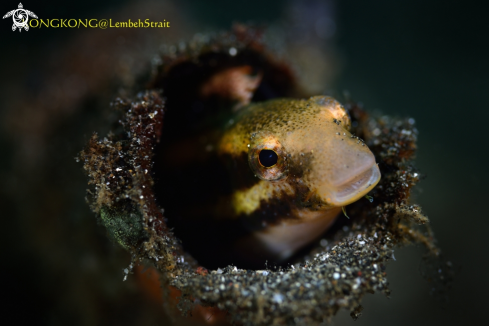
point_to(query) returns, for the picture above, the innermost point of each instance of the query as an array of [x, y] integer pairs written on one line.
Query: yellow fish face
[[301, 151], [304, 165]]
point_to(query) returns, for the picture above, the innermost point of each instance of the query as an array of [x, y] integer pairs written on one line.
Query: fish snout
[[345, 172], [356, 187]]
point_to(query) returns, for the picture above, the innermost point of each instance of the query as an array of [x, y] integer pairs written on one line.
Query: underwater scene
[[243, 163]]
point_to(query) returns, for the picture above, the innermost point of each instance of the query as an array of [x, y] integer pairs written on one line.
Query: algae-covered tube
[[230, 179]]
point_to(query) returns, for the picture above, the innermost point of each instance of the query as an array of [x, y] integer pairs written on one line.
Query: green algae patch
[[124, 226]]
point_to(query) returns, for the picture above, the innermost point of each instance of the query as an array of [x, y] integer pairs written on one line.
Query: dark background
[[425, 59]]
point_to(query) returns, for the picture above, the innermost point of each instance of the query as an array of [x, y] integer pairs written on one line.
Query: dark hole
[[192, 183], [268, 158]]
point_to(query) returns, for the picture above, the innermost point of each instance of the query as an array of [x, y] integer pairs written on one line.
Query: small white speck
[[278, 298], [324, 257], [233, 52], [336, 276]]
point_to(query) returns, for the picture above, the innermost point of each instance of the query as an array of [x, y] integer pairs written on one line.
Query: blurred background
[[425, 59]]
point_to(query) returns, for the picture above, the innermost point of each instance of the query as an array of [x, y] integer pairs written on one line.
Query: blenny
[[263, 180], [249, 168]]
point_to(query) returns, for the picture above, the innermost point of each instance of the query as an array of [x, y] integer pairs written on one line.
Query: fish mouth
[[356, 187]]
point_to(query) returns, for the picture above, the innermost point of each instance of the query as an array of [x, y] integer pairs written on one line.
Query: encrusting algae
[[142, 187]]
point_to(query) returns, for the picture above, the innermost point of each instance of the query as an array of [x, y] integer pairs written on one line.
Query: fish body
[[281, 170]]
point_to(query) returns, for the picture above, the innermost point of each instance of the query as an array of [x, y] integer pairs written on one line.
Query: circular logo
[[20, 18]]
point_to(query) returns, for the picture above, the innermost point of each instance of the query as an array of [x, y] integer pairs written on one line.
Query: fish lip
[[357, 186]]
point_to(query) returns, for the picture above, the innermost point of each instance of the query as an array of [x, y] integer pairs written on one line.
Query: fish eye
[[267, 158]]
